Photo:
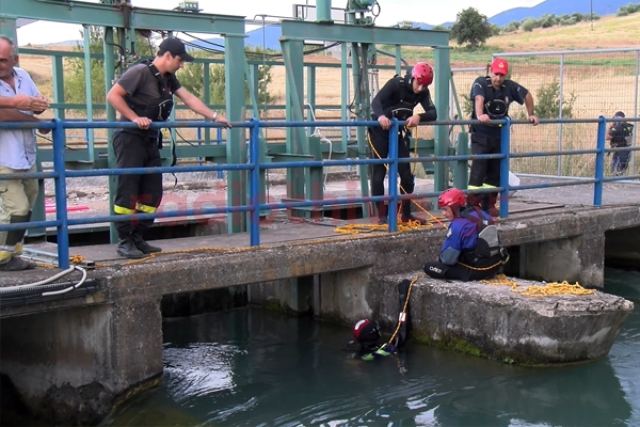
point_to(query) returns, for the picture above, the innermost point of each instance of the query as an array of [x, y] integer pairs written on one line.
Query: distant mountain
[[558, 8], [267, 37]]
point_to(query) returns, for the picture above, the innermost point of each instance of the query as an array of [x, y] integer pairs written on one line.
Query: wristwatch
[[214, 117]]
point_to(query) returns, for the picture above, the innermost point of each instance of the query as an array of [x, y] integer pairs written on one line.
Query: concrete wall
[[70, 365]]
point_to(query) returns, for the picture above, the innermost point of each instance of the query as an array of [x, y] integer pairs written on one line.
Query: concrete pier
[[494, 320]]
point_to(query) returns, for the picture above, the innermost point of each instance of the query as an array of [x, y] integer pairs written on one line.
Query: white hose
[[49, 280]]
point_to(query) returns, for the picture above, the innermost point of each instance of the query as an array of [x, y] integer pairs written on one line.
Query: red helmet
[[423, 73], [452, 198], [500, 66]]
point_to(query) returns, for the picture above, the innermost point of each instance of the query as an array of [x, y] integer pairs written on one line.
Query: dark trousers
[[620, 162], [485, 170], [380, 141], [439, 270], [136, 193]]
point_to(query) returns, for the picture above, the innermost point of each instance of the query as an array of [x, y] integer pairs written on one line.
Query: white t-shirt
[[18, 146]]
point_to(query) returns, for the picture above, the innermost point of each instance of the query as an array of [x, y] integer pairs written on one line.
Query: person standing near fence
[[490, 97], [619, 135], [19, 101], [397, 99], [142, 95]]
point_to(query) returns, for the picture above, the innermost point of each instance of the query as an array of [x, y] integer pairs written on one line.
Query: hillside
[[607, 32], [558, 8]]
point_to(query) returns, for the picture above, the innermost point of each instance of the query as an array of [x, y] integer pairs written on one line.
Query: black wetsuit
[[396, 99]]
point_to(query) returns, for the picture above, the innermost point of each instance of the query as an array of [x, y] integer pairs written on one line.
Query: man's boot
[[127, 248], [489, 204], [474, 200], [17, 263], [142, 245], [382, 212], [406, 216]]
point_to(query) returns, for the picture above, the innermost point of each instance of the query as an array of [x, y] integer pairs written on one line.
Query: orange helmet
[[423, 73], [452, 198]]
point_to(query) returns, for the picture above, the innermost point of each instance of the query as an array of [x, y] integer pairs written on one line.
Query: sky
[[391, 12]]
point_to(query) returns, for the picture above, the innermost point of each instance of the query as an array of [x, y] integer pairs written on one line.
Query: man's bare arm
[[37, 104]]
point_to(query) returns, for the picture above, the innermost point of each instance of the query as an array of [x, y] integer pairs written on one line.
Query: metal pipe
[[323, 11]]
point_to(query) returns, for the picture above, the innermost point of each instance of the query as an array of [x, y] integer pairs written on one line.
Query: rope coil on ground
[[543, 290]]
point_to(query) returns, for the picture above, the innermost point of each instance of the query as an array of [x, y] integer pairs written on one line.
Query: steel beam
[[298, 30], [78, 12]]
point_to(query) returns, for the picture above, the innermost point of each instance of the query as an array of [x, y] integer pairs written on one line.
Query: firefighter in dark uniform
[[491, 96], [397, 99], [619, 135], [142, 95]]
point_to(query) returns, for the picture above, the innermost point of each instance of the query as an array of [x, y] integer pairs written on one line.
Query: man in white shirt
[[19, 101]]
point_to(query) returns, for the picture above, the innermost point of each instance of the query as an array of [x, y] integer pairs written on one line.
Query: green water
[[254, 368]]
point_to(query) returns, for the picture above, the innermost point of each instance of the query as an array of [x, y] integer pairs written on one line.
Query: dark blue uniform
[[460, 257], [485, 139]]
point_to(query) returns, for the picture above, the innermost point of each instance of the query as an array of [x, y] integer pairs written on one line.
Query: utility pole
[[591, 13]]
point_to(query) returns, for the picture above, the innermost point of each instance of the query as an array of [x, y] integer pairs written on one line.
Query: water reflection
[[250, 367]]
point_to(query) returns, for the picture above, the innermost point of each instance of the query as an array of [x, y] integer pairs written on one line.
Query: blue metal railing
[[254, 167]]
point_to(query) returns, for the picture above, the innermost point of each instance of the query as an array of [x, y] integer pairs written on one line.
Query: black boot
[[489, 204], [127, 248], [382, 212], [406, 213], [474, 200], [141, 244], [17, 263]]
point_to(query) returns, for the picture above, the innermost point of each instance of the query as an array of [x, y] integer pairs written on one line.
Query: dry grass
[[606, 32]]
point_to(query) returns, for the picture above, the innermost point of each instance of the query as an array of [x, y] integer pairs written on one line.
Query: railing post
[[599, 172], [61, 195], [505, 144], [254, 183], [393, 176]]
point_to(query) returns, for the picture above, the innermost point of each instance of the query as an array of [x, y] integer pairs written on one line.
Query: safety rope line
[[482, 268], [547, 289], [433, 217], [370, 228], [402, 317]]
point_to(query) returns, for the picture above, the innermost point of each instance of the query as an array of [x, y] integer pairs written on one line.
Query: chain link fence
[[582, 84]]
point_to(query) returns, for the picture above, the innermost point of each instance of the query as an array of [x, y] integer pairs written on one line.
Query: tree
[[74, 81], [471, 28], [191, 78], [548, 102]]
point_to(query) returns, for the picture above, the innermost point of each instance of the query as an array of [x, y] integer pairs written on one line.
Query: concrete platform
[[496, 319]]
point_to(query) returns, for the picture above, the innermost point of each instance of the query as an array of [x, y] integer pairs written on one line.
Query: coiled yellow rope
[[554, 289], [544, 290]]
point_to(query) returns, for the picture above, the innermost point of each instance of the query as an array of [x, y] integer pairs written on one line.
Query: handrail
[[254, 167]]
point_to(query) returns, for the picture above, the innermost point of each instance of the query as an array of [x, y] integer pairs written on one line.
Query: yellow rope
[[371, 228], [403, 314], [544, 290], [500, 280], [481, 268], [554, 289]]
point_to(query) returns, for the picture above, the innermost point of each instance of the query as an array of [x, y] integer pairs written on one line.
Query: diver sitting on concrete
[[471, 250]]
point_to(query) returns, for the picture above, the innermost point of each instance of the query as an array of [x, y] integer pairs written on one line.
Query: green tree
[[191, 78], [74, 82], [471, 28], [548, 102]]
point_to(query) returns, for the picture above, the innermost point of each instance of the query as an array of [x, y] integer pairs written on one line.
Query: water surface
[[250, 367]]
